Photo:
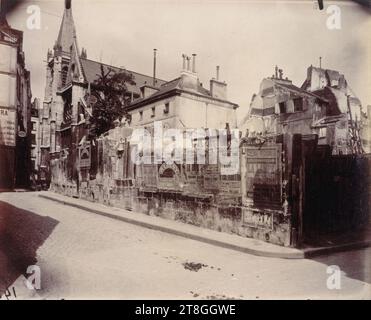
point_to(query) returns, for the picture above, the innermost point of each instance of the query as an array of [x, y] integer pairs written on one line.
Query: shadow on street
[[21, 234], [356, 264]]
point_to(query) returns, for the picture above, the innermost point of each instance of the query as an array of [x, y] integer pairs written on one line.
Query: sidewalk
[[234, 242]]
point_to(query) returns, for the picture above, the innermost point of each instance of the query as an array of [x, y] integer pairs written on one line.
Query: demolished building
[[324, 105]]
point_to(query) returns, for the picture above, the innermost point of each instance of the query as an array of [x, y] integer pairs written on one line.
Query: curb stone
[[298, 254]]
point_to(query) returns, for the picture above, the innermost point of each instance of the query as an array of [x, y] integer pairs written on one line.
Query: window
[[33, 139], [153, 112], [129, 117], [283, 108], [298, 104], [140, 115], [167, 107]]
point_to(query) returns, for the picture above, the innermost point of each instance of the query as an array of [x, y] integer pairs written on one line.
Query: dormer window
[[283, 107], [298, 104]]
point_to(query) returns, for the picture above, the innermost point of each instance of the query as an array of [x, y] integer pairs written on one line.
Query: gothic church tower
[[58, 61]]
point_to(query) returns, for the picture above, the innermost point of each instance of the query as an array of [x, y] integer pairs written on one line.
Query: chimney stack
[[188, 75], [67, 4], [154, 66], [218, 89], [193, 62]]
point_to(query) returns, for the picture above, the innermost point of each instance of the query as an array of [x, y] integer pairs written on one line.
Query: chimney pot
[[188, 63], [184, 61], [217, 72], [194, 63]]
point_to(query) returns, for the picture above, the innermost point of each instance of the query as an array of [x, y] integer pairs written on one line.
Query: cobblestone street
[[83, 255]]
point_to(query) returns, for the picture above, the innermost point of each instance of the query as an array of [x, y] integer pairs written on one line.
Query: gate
[[336, 194]]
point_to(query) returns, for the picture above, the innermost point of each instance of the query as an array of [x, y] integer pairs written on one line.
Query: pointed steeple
[[67, 31]]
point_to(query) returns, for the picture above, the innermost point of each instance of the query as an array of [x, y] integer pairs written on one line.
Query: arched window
[[168, 173]]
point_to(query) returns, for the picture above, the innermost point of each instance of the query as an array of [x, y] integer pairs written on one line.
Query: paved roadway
[[87, 256]]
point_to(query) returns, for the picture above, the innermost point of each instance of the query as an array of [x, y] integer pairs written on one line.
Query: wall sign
[[7, 127], [257, 219], [84, 157]]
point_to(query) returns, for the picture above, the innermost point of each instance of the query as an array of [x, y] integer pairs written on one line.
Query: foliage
[[111, 96]]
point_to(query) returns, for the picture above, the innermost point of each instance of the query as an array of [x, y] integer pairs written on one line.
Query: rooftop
[[92, 70], [175, 86]]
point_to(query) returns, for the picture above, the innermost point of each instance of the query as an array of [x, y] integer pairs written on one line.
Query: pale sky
[[246, 38]]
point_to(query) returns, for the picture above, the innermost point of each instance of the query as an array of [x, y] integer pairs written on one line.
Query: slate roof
[[6, 31], [164, 88], [298, 90], [92, 69]]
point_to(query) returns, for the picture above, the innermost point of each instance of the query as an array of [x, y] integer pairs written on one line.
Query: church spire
[[67, 31]]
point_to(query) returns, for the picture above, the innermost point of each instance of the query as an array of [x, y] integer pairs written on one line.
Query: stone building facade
[[35, 140], [36, 122], [15, 109], [185, 103]]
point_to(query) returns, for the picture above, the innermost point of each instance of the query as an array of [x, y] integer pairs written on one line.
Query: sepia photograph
[[207, 151]]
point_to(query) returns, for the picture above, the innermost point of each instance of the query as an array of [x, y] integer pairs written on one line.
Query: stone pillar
[[52, 136]]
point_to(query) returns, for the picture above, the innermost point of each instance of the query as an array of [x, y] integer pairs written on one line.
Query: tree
[[111, 97]]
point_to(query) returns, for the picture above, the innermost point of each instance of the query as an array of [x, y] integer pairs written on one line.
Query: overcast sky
[[246, 38]]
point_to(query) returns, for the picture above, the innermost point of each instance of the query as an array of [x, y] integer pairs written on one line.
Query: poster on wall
[[7, 127], [84, 156], [263, 167]]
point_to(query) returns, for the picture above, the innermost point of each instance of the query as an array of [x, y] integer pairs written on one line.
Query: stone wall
[[191, 198], [267, 225]]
